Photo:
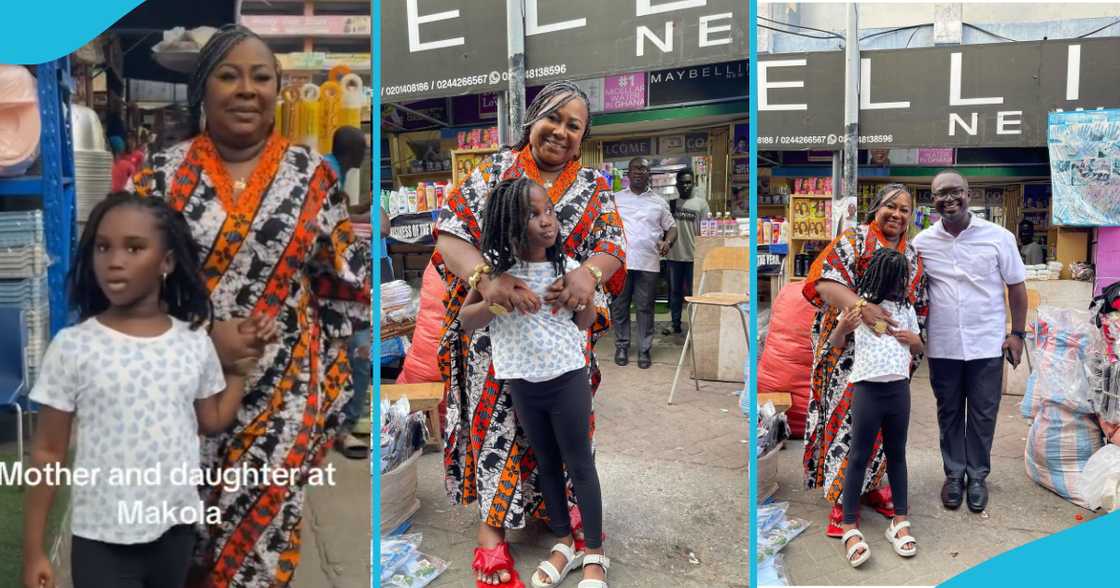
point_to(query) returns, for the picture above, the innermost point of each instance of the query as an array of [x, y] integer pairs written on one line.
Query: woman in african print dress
[[831, 287], [277, 243], [486, 455]]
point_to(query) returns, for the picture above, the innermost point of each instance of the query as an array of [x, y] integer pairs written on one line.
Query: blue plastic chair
[[13, 371]]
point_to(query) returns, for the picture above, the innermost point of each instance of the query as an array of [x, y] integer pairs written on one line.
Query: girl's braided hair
[[505, 226], [886, 278]]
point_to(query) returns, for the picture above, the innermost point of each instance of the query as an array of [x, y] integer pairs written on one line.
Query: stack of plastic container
[[23, 279]]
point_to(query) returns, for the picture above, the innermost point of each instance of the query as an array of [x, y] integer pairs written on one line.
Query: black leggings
[[163, 563], [556, 416], [875, 406]]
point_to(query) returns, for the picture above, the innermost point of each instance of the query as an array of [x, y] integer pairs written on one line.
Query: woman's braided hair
[[211, 55], [886, 194], [505, 226], [551, 98], [886, 278]]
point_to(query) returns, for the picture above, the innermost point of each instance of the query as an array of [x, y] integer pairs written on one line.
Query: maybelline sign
[[436, 48], [960, 96]]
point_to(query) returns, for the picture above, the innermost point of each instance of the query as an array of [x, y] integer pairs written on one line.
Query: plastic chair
[[718, 259], [13, 370]]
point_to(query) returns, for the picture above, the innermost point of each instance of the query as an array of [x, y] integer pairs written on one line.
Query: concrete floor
[[674, 484], [949, 542]]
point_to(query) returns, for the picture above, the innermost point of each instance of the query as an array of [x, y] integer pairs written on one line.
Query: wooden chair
[[718, 259], [421, 397]]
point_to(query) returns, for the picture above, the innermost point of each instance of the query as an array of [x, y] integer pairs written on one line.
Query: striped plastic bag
[[1066, 346], [1059, 444]]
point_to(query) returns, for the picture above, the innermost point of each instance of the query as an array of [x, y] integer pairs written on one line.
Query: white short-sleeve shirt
[[968, 275], [540, 346], [882, 358], [645, 220], [133, 400]]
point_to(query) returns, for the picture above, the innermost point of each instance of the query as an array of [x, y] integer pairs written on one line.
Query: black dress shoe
[[952, 493], [675, 330], [643, 360], [977, 495], [621, 356]]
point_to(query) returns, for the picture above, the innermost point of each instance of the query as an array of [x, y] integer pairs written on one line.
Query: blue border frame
[[752, 377], [375, 298]]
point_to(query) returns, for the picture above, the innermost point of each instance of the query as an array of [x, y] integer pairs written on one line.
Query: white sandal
[[858, 561], [573, 558], [898, 542], [599, 560]]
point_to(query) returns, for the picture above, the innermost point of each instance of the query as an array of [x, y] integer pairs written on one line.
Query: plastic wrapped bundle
[[1066, 345], [1059, 445], [786, 364], [1065, 432]]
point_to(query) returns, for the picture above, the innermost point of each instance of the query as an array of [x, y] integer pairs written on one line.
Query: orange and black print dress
[[284, 247]]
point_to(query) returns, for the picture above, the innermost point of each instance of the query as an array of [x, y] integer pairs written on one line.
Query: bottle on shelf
[[706, 226]]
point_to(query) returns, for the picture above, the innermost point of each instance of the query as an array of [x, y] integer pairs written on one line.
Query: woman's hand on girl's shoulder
[[236, 340]]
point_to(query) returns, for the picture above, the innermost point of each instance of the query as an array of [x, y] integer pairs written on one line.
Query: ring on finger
[[581, 307]]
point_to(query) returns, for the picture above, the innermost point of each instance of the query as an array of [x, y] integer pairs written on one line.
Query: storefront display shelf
[[55, 185]]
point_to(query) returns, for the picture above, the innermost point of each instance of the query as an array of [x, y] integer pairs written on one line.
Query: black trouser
[[968, 394], [680, 285], [878, 406], [163, 563], [556, 416], [640, 287]]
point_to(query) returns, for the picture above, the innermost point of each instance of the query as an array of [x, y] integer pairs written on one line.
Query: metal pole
[[515, 96], [851, 107], [503, 120]]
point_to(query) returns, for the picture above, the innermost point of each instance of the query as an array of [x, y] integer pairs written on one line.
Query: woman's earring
[[202, 118]]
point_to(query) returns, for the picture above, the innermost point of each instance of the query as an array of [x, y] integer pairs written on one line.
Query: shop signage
[[488, 106], [453, 47], [935, 157], [994, 95], [415, 228], [671, 145], [267, 25], [1085, 167], [624, 92], [627, 148], [697, 84], [696, 142]]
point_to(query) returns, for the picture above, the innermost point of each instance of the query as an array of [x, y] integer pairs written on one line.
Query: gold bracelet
[[479, 271], [595, 273]]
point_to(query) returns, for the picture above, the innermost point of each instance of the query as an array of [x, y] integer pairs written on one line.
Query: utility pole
[[513, 100], [851, 109]]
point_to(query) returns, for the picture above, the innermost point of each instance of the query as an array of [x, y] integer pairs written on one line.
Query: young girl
[[144, 380], [881, 395], [541, 356]]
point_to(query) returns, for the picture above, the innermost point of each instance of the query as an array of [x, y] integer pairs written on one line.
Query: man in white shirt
[[650, 230], [969, 262]]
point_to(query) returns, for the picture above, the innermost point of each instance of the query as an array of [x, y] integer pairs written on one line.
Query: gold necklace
[[239, 184]]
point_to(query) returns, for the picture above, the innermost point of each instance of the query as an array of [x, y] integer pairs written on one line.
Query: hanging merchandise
[[19, 120], [308, 130], [330, 113], [353, 99], [288, 107]]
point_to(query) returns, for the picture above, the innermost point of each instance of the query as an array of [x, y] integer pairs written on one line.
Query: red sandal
[[493, 561], [834, 519], [576, 520], [881, 500]]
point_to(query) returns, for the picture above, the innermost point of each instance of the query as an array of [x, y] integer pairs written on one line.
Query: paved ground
[[950, 542], [674, 485]]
